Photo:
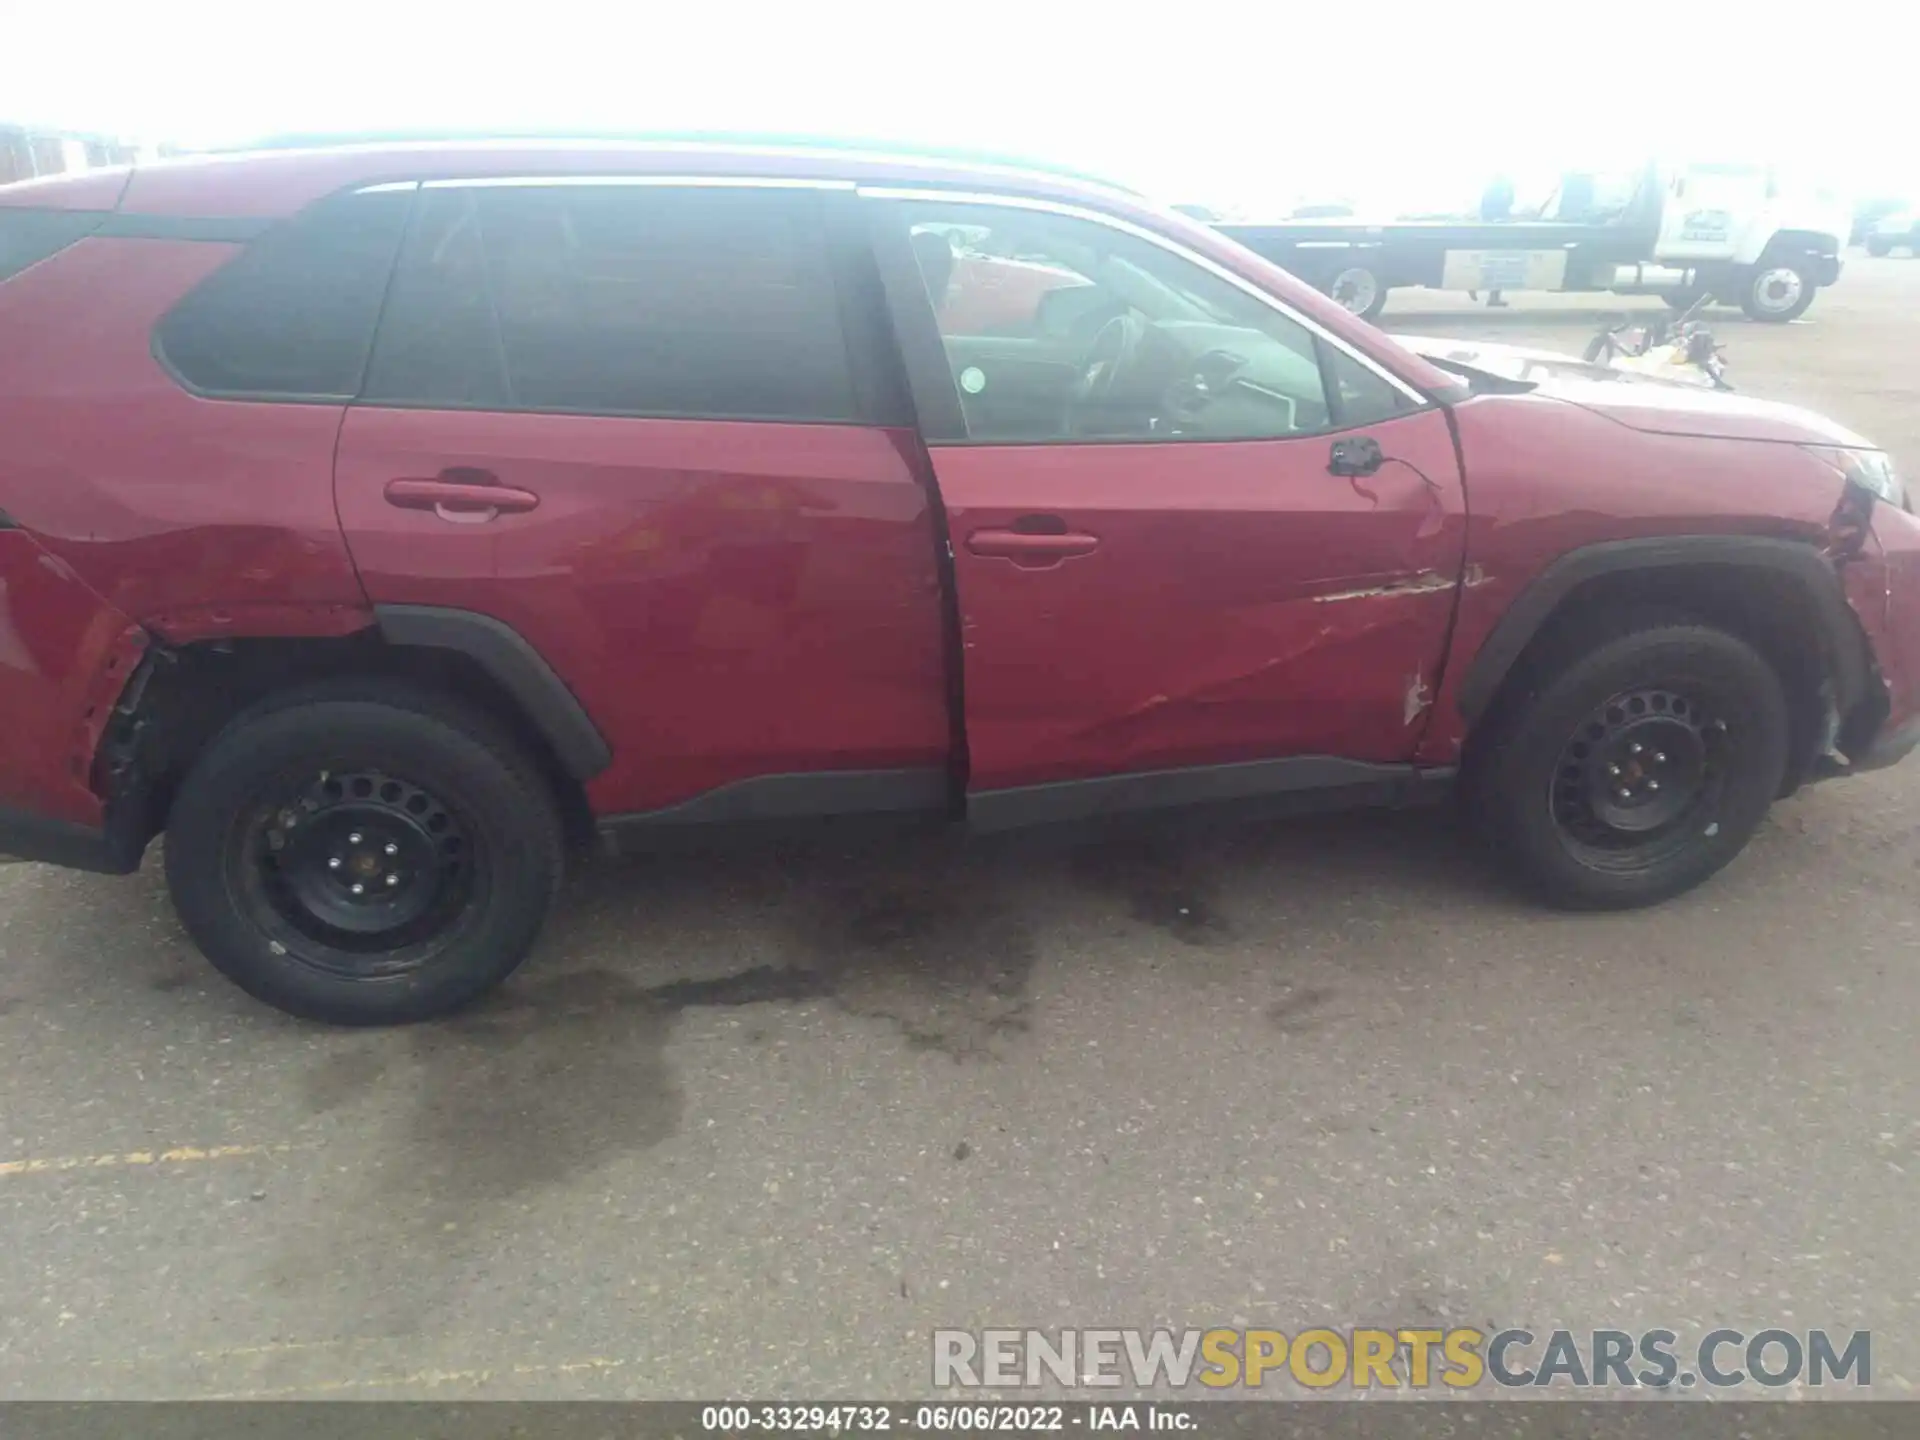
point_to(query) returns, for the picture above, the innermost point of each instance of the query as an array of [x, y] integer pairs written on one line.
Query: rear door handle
[[1024, 547], [463, 502]]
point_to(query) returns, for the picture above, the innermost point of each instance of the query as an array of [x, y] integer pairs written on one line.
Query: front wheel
[[1359, 290], [1628, 769], [364, 855], [1779, 292]]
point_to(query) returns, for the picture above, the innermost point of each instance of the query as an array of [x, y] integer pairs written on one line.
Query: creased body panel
[[1241, 603], [726, 600], [176, 509], [64, 655], [1545, 478]]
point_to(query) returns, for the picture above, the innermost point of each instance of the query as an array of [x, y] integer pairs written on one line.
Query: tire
[[435, 813], [1359, 290], [1879, 248], [1777, 292], [1707, 713]]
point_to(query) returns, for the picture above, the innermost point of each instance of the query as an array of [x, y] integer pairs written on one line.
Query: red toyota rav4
[[379, 519]]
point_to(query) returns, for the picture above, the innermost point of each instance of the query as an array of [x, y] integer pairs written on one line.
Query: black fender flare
[[506, 655], [1844, 644]]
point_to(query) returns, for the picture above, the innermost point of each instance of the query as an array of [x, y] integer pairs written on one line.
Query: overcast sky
[[1244, 105]]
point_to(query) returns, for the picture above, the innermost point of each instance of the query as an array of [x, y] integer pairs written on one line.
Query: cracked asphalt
[[755, 1124]]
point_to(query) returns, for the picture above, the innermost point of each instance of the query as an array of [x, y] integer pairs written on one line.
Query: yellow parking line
[[180, 1155]]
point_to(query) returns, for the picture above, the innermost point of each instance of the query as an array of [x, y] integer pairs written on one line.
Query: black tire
[[400, 773], [1359, 290], [1776, 292], [1879, 248], [1550, 805]]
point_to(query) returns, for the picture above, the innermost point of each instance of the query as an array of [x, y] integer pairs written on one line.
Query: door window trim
[[938, 400]]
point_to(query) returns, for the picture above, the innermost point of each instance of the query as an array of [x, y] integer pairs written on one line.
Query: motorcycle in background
[[1670, 348]]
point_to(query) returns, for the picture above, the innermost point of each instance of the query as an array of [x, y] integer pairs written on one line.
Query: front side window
[[1058, 328], [617, 300]]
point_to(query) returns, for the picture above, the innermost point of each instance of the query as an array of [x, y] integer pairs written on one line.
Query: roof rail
[[845, 144]]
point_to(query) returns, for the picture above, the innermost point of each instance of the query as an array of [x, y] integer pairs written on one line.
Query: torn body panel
[[1883, 588], [65, 655]]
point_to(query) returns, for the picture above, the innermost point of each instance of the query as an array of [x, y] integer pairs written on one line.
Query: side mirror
[[1357, 456]]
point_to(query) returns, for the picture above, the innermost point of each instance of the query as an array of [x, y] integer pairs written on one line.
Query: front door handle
[[1025, 547], [462, 502]]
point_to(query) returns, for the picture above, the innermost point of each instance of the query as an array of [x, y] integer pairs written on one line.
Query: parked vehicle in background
[[377, 522], [1898, 231], [1869, 213], [1741, 234]]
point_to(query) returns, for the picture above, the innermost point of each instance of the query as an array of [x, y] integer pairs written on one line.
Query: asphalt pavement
[[754, 1125]]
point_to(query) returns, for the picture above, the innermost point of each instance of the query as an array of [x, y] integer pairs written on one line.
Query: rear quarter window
[[291, 317], [29, 236]]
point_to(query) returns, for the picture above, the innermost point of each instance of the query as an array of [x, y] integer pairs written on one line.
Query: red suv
[[375, 521]]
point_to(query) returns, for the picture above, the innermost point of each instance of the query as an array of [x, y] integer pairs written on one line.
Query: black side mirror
[[1357, 456]]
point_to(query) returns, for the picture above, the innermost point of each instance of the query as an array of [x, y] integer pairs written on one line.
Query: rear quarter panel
[[64, 656], [195, 517]]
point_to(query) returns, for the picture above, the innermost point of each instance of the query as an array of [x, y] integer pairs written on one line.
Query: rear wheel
[[1359, 290], [1778, 292], [1631, 768], [363, 856], [1878, 247]]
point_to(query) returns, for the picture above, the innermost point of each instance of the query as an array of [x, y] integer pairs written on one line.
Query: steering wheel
[[1110, 361]]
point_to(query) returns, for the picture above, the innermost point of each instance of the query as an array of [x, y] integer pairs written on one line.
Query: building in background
[[27, 151]]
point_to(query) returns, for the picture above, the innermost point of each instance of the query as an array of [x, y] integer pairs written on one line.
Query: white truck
[[1744, 234]]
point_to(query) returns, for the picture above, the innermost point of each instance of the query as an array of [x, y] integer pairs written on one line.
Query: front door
[[1192, 539]]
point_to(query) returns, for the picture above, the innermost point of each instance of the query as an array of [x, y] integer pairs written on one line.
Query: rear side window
[[29, 236], [292, 316], [702, 302]]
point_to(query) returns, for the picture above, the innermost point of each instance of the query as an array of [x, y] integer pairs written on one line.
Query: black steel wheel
[[1627, 763], [364, 854], [366, 863], [1635, 776]]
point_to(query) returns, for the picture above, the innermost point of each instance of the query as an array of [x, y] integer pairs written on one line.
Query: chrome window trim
[[388, 187], [1172, 247], [690, 182]]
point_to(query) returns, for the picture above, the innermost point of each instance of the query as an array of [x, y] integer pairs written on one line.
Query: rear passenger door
[[646, 426]]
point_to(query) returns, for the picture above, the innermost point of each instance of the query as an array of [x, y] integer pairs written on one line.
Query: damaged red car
[[379, 522]]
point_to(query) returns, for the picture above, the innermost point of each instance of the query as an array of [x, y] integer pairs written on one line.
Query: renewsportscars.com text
[[1389, 1359]]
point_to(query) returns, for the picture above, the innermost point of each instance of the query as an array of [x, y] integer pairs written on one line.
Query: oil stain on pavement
[[559, 1074]]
